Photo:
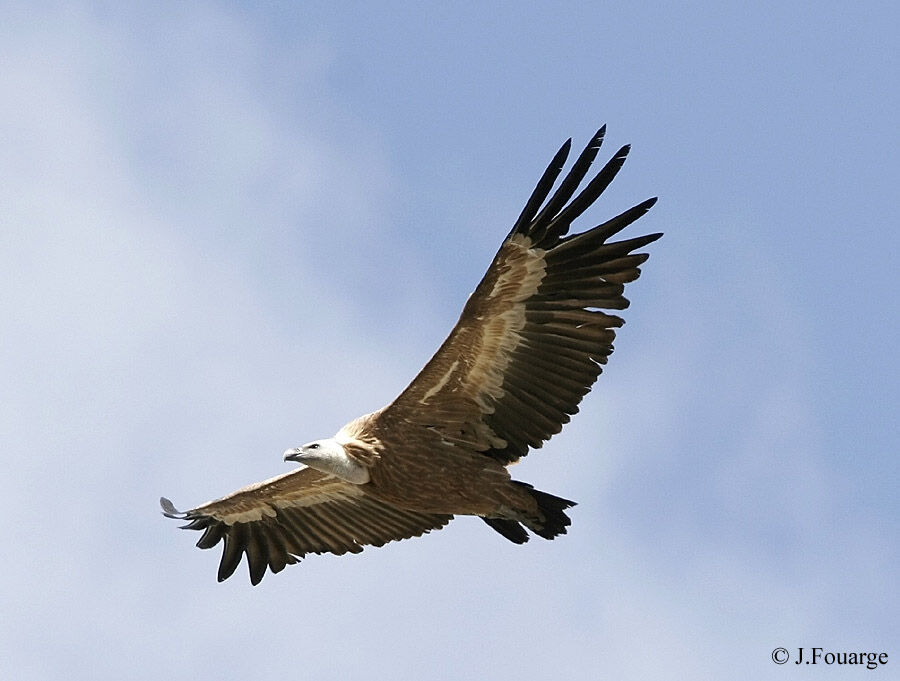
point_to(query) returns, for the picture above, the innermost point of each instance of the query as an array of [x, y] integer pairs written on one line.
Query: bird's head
[[315, 451], [329, 456]]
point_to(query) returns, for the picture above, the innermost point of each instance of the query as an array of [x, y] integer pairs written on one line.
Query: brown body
[[528, 346], [426, 473]]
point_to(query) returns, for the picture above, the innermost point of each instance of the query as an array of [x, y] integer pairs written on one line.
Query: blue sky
[[230, 228]]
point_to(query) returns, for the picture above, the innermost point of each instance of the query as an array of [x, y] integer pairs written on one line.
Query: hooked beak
[[293, 455]]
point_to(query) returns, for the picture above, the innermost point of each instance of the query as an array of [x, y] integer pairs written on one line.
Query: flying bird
[[529, 344]]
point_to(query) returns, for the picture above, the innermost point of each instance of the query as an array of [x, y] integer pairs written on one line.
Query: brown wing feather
[[532, 337], [278, 521]]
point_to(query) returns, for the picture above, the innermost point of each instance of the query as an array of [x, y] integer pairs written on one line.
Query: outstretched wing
[[278, 521], [532, 337]]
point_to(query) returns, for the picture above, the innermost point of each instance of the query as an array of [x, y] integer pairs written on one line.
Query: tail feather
[[510, 529], [552, 520], [552, 508]]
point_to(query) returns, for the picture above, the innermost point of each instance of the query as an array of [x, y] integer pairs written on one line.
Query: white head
[[329, 456]]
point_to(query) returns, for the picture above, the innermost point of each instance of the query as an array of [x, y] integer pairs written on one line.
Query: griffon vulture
[[529, 344]]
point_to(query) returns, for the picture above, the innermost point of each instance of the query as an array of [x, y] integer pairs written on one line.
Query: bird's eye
[[314, 446]]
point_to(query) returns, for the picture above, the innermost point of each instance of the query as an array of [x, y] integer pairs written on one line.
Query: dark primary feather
[[569, 184], [544, 185], [560, 223]]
